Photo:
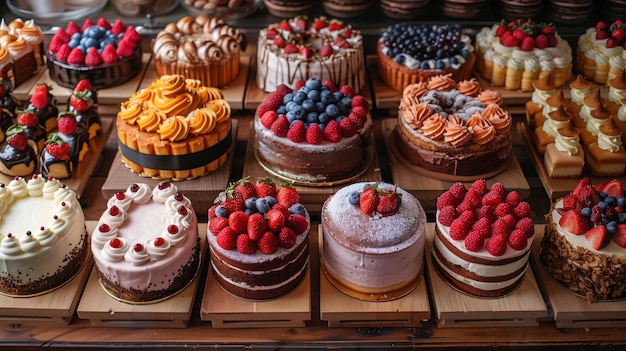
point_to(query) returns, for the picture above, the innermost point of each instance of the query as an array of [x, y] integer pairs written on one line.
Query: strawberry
[[347, 91], [520, 34], [602, 34], [597, 236], [279, 41], [496, 245], [268, 243], [527, 44], [527, 226], [76, 56], [298, 223], [280, 127], [335, 25], [501, 29], [245, 187], [387, 201], [265, 187], [256, 226], [349, 126], [93, 58], [118, 27], [314, 134], [109, 54], [238, 221], [583, 182], [541, 41], [297, 132], [522, 210], [284, 25], [245, 245], [216, 224], [227, 238], [39, 99], [66, 123], [552, 41], [574, 222], [618, 34], [360, 101], [232, 200], [509, 41], [601, 25], [518, 240], [81, 101], [611, 43], [17, 137], [332, 132], [302, 22], [287, 237], [276, 219], [474, 242], [291, 49], [341, 43], [330, 85], [492, 198], [306, 51], [319, 24], [287, 196], [27, 118], [57, 148], [83, 85], [282, 208], [588, 196], [368, 201], [271, 33], [620, 235], [614, 188], [326, 50]]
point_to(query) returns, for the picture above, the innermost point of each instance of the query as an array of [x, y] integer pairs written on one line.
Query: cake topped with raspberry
[[483, 238], [600, 51], [259, 239], [313, 133]]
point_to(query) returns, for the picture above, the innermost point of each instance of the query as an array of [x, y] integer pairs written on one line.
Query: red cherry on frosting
[[104, 228], [42, 228], [163, 185], [10, 235], [138, 247], [29, 233], [55, 217], [35, 176], [182, 210], [172, 229], [114, 211], [115, 243], [178, 197], [62, 203], [120, 196], [159, 241], [134, 188]]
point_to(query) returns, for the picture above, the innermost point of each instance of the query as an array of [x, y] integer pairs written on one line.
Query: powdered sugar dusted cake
[[146, 245], [43, 249], [373, 240]]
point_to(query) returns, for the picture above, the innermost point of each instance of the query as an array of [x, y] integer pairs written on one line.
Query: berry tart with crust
[[600, 51], [314, 133], [482, 238], [373, 241], [106, 54], [409, 54], [514, 54], [584, 246], [259, 239], [299, 48]]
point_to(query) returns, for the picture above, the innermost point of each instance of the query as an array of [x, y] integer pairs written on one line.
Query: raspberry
[[332, 132], [458, 191], [510, 221], [216, 224], [518, 240], [297, 132], [465, 205], [347, 91], [268, 244], [447, 215], [496, 245], [446, 199], [513, 198], [348, 127], [268, 118], [500, 227], [492, 198], [479, 187], [482, 227], [245, 245], [523, 210], [280, 127], [314, 135], [474, 242], [498, 188], [502, 209], [360, 100], [286, 237], [527, 226], [461, 226], [570, 202], [486, 212], [227, 239]]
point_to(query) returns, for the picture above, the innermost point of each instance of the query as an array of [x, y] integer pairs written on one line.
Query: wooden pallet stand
[[524, 307], [341, 310], [103, 310], [570, 310], [201, 191], [427, 189]]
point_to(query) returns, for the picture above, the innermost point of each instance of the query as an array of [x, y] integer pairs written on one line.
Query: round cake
[[482, 239], [373, 241], [105, 54], [600, 51], [457, 130], [259, 239], [146, 246], [299, 48], [202, 48], [40, 250], [174, 129], [315, 133], [515, 54], [584, 246], [409, 54]]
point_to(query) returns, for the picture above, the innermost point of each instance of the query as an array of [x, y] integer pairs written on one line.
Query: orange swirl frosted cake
[[174, 129]]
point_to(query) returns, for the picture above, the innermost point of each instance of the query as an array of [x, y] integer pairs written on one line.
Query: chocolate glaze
[[46, 160], [87, 118], [10, 156], [37, 134], [76, 141], [8, 105], [44, 114]]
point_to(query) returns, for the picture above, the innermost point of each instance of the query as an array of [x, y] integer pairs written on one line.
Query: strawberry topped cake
[[483, 237], [106, 54], [584, 246], [17, 156], [516, 53], [299, 48], [600, 51], [84, 104], [259, 239]]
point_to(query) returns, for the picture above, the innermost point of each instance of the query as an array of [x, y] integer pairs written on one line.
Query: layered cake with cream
[[40, 250], [175, 128], [483, 237], [584, 246], [373, 240], [409, 54], [600, 51], [314, 133], [202, 48], [456, 129], [146, 246], [300, 48], [514, 54], [22, 49], [258, 237]]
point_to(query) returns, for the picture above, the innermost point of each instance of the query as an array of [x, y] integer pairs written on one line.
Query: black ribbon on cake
[[178, 162]]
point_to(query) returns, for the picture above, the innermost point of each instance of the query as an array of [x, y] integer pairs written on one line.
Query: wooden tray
[[102, 310], [427, 189], [341, 310], [568, 309], [55, 307], [201, 191], [312, 197], [81, 174], [233, 93], [524, 307], [556, 187]]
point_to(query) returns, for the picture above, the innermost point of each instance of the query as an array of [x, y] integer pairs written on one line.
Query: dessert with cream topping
[[565, 157], [600, 51], [174, 129], [40, 250], [22, 49], [146, 246], [452, 128], [202, 48]]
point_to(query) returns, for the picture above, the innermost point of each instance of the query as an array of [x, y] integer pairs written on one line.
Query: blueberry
[[465, 53], [291, 117], [76, 36], [424, 65], [297, 209], [322, 126], [324, 118], [353, 198], [312, 117], [611, 227], [610, 200], [304, 89], [621, 218], [603, 205], [299, 97], [251, 202], [339, 118], [290, 105], [90, 42], [288, 97], [346, 102], [586, 212], [308, 105], [281, 110], [440, 64], [249, 211], [454, 60], [313, 83], [602, 195], [327, 97], [271, 200], [400, 59], [338, 96], [332, 110], [313, 95], [299, 112], [221, 211], [73, 43], [621, 201], [262, 205], [320, 107]]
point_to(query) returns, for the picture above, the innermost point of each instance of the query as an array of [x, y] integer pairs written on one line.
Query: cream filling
[[260, 288]]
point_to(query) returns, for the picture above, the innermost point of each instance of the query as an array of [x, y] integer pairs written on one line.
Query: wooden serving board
[[568, 309], [524, 307], [341, 310], [427, 189], [81, 174], [22, 91], [233, 93], [312, 197], [54, 307], [556, 187], [102, 310], [201, 191]]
